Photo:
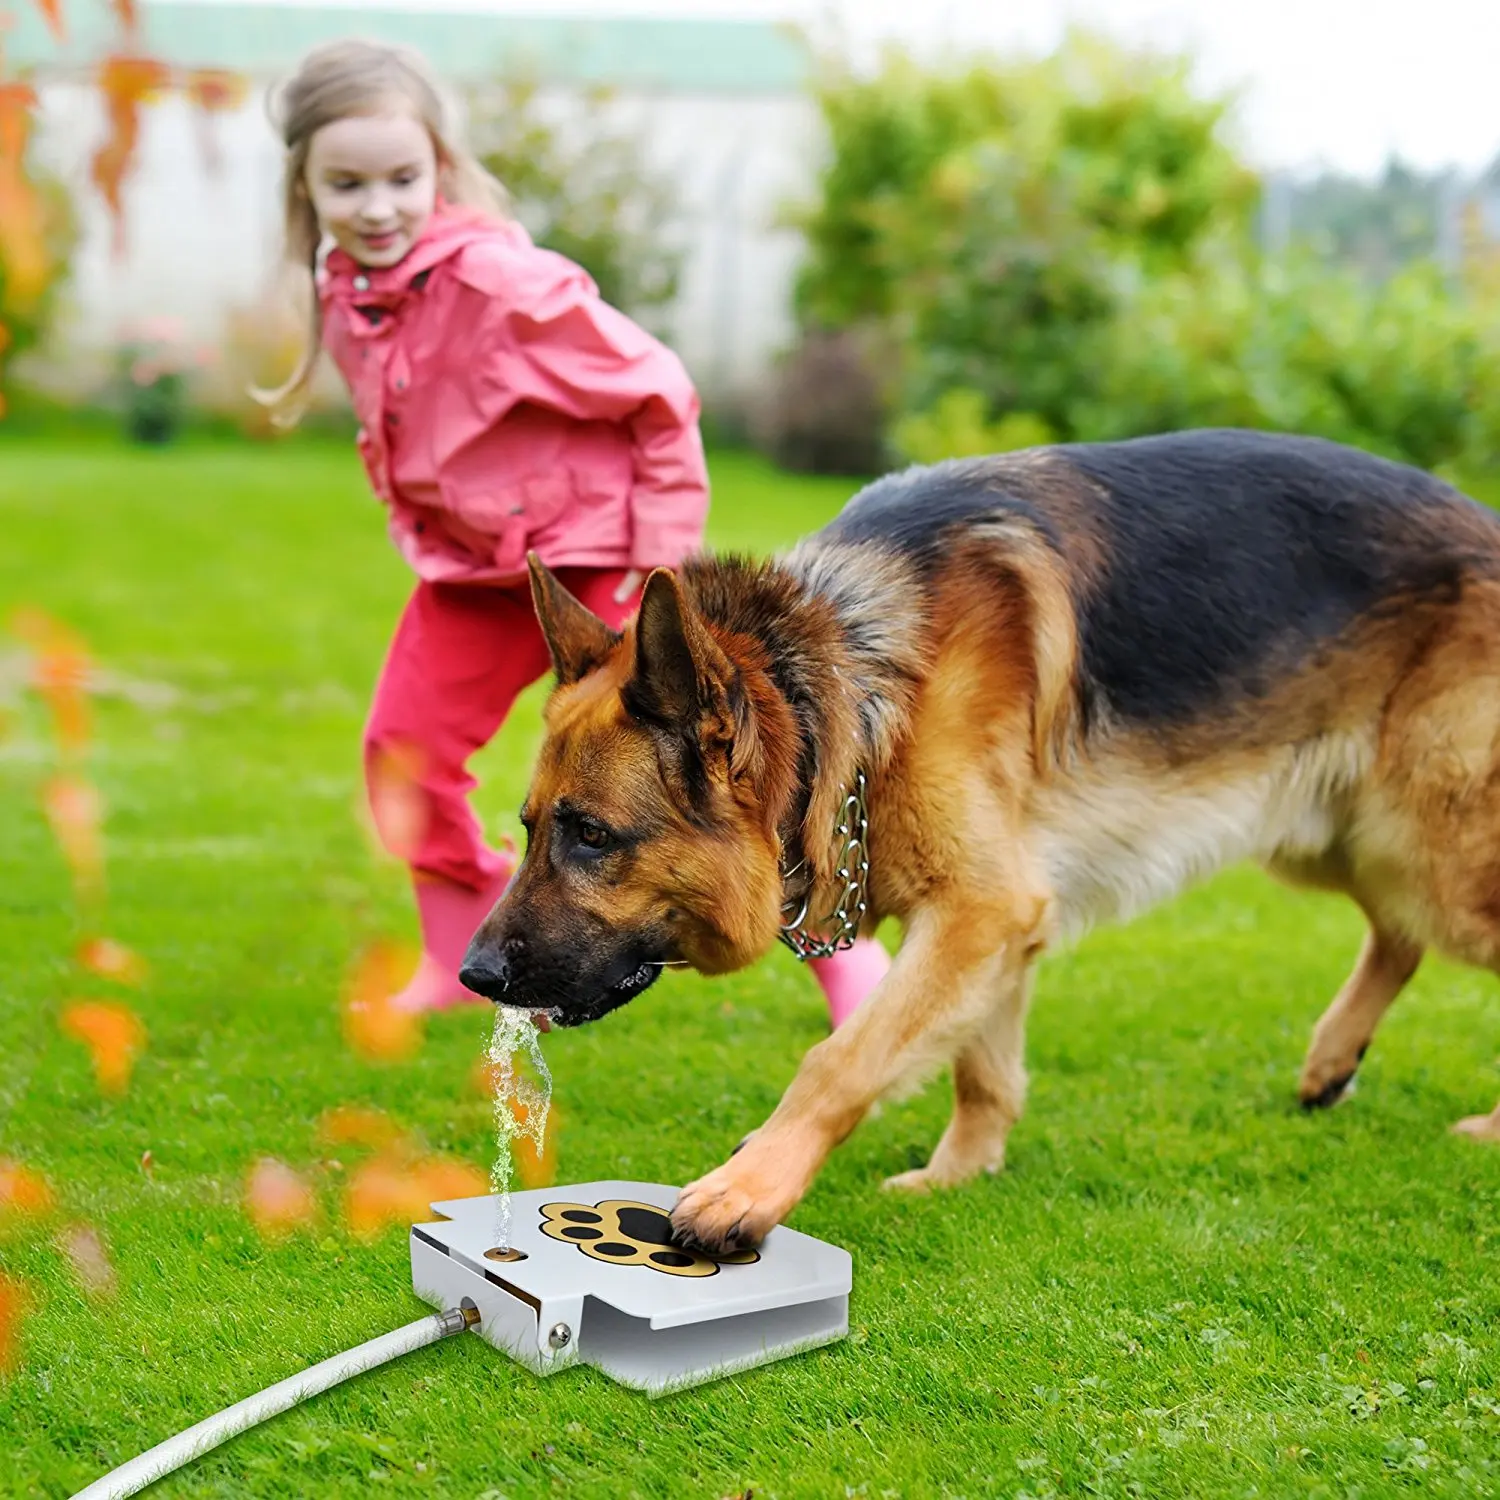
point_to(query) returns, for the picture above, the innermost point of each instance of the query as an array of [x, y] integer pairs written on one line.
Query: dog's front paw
[[735, 1206]]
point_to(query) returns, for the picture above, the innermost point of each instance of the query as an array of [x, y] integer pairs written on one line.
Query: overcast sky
[[1342, 82]]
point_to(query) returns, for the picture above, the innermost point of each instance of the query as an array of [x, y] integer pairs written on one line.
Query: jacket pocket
[[523, 506], [598, 515]]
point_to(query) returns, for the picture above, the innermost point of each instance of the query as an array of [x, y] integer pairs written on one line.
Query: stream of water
[[515, 1035]]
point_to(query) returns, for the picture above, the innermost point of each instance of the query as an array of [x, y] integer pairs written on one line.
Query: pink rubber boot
[[849, 976], [451, 914]]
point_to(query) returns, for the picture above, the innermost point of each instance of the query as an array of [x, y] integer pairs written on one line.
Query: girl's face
[[372, 181]]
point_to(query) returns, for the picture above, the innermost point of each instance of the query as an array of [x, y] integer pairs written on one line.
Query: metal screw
[[561, 1336]]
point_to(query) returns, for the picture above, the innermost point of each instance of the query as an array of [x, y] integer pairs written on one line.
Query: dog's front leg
[[957, 961]]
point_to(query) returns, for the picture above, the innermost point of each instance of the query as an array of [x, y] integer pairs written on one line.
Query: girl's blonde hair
[[336, 81]]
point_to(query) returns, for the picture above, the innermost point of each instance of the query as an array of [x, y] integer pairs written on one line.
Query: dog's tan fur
[[1002, 818]]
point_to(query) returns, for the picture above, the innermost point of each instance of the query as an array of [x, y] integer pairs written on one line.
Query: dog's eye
[[592, 835]]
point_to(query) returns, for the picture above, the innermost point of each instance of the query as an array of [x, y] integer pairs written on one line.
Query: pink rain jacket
[[504, 406]]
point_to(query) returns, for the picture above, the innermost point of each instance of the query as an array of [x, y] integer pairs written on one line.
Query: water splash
[[521, 1103]]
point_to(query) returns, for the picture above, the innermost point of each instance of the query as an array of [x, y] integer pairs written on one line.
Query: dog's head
[[651, 818]]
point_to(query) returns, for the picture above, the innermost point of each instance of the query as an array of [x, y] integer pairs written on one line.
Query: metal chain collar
[[853, 870]]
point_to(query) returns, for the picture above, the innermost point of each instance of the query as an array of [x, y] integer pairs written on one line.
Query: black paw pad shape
[[623, 1233]]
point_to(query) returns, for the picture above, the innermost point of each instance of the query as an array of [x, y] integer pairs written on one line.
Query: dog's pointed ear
[[577, 639], [681, 675]]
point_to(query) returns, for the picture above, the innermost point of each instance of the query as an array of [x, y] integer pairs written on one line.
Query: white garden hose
[[176, 1451]]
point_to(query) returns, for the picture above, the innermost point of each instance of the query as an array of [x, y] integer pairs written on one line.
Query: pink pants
[[461, 656]]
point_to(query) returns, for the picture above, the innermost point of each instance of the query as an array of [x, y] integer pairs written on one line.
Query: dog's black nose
[[486, 970]]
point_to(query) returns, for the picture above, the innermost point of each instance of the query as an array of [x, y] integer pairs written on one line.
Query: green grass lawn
[[1181, 1287]]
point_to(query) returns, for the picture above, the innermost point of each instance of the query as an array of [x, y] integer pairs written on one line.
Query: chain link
[[854, 870]]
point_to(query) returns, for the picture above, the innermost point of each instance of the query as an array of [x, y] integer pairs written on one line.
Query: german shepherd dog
[[1003, 699]]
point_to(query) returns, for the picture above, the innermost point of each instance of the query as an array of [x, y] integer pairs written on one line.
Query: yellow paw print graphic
[[633, 1234]]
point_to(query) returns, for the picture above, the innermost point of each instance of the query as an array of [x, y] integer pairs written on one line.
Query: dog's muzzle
[[505, 973]]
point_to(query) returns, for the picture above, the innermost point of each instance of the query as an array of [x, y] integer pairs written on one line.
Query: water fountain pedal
[[591, 1277]]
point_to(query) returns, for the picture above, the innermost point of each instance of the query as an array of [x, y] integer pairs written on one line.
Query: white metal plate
[[598, 1262]]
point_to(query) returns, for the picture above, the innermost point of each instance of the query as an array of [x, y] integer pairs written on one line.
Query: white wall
[[200, 241], [738, 164], [196, 240]]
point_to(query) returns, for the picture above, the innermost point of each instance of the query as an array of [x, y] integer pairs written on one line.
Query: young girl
[[503, 406]]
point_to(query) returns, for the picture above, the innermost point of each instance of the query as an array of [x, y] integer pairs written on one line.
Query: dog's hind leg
[[1480, 1127], [989, 1092], [932, 1005], [1344, 1030]]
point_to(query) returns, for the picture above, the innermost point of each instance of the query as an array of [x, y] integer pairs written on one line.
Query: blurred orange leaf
[[214, 91], [386, 1190], [398, 802], [61, 672], [373, 1027], [358, 1125], [15, 1303], [52, 12], [126, 83], [75, 809], [111, 960], [60, 679], [113, 1034], [442, 1178], [381, 1192], [23, 241], [23, 1191], [278, 1200], [126, 11], [90, 1261]]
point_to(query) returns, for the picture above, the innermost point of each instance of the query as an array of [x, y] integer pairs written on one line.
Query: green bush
[[1096, 143], [994, 218], [1070, 244], [958, 425], [1406, 369]]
